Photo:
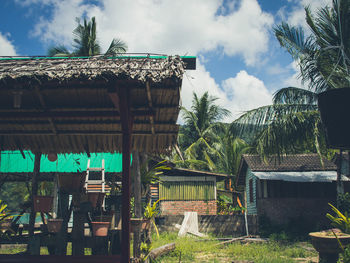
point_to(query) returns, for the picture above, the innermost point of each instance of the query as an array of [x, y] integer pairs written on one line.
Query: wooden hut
[[91, 104], [184, 190], [295, 187]]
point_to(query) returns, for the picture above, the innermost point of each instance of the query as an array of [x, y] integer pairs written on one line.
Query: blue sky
[[239, 60]]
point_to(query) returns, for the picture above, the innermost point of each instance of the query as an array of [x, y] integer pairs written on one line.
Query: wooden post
[[78, 228], [127, 122], [36, 172], [340, 186], [137, 204], [63, 211]]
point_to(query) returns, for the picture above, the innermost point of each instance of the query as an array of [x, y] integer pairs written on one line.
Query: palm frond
[[116, 47], [59, 51], [293, 95]]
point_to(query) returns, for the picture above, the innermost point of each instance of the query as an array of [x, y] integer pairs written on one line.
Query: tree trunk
[[157, 252]]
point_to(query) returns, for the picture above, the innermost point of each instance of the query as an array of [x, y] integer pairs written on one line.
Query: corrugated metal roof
[[315, 176], [288, 163]]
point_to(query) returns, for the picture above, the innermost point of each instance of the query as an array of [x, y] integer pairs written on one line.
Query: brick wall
[[179, 207], [282, 210]]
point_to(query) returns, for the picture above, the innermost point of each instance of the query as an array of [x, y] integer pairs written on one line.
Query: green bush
[[343, 201]]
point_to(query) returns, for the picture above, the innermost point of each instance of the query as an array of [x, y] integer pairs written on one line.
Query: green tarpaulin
[[13, 162]]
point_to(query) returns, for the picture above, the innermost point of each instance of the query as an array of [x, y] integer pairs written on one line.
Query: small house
[[293, 187], [188, 190]]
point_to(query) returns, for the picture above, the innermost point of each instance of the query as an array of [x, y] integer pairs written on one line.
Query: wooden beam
[[43, 105], [114, 98], [41, 123], [141, 107], [84, 133], [20, 115], [190, 62], [149, 99]]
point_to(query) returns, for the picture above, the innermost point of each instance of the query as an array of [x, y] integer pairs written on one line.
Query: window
[[251, 198]]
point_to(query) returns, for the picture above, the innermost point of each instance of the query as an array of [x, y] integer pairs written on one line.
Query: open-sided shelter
[[91, 104]]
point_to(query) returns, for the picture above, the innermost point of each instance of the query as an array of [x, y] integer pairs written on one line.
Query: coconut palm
[[324, 55], [86, 44], [231, 149], [290, 125], [200, 131]]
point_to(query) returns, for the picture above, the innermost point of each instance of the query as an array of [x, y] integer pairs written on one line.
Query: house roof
[[71, 105], [310, 176], [175, 171], [288, 163]]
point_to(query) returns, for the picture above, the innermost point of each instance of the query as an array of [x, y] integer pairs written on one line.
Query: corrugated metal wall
[[187, 190]]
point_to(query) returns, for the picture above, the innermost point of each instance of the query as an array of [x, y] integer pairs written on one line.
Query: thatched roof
[[72, 105]]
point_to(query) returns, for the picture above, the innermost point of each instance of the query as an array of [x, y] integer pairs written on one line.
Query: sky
[[239, 60]]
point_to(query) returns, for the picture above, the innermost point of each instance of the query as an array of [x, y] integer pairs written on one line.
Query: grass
[[43, 250], [188, 249]]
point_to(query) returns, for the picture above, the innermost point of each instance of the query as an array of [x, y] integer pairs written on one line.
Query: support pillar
[[32, 245], [127, 122], [137, 204]]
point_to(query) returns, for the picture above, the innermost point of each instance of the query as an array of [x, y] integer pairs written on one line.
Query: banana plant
[[4, 215]]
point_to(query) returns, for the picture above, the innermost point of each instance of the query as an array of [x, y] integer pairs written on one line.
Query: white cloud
[[58, 29], [166, 26], [245, 92], [6, 46], [297, 16], [276, 69], [178, 27], [293, 80], [199, 81], [241, 93]]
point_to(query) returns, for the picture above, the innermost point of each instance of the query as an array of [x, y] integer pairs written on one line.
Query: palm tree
[[323, 56], [290, 125], [230, 150], [200, 131], [86, 44]]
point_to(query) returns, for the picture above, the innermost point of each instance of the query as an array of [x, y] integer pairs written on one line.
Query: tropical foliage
[[151, 211], [86, 42], [150, 175], [199, 134], [290, 125], [340, 220], [323, 56], [5, 215]]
